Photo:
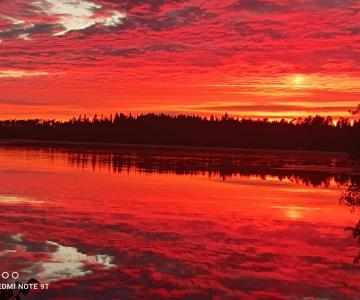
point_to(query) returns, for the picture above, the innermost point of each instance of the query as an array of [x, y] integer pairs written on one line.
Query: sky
[[257, 58]]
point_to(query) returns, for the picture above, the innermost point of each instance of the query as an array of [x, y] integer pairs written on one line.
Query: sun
[[298, 80]]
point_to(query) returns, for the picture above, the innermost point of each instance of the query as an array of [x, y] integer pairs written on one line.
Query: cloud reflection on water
[[18, 200], [51, 261]]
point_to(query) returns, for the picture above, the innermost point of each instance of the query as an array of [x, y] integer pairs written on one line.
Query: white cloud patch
[[15, 21], [24, 36], [55, 261], [115, 19], [80, 14], [20, 74], [58, 17], [68, 262]]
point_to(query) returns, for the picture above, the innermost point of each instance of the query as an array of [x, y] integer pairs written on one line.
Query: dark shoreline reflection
[[308, 168]]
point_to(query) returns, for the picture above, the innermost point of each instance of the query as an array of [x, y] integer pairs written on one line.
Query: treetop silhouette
[[308, 133]]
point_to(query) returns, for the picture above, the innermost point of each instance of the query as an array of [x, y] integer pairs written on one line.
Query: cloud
[[177, 18], [258, 6], [20, 31], [275, 6], [130, 5], [135, 52], [58, 17], [332, 3], [266, 109], [274, 108], [176, 51], [81, 14], [54, 261], [20, 74]]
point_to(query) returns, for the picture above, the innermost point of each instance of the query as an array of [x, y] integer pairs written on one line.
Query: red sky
[[269, 58]]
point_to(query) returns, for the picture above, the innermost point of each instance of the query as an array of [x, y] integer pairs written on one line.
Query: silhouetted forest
[[310, 133]]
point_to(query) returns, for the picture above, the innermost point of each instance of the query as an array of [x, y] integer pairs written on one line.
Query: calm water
[[133, 223]]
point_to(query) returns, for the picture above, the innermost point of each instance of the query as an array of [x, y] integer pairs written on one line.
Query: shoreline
[[32, 142]]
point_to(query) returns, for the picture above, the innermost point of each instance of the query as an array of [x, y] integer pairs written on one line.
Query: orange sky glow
[[258, 58]]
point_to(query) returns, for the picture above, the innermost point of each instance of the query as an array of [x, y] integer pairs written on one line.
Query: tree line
[[309, 133]]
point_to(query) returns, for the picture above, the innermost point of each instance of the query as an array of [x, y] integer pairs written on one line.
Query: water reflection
[[51, 261], [351, 197], [18, 200], [306, 168], [232, 226]]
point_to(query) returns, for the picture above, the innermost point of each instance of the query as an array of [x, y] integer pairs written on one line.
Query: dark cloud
[[258, 6], [274, 6], [18, 31], [131, 4], [354, 30], [332, 3], [274, 30], [171, 19], [128, 52], [168, 20]]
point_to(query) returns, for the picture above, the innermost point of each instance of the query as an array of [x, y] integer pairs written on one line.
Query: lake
[[175, 223]]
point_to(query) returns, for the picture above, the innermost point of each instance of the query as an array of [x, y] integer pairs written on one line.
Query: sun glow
[[298, 80]]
